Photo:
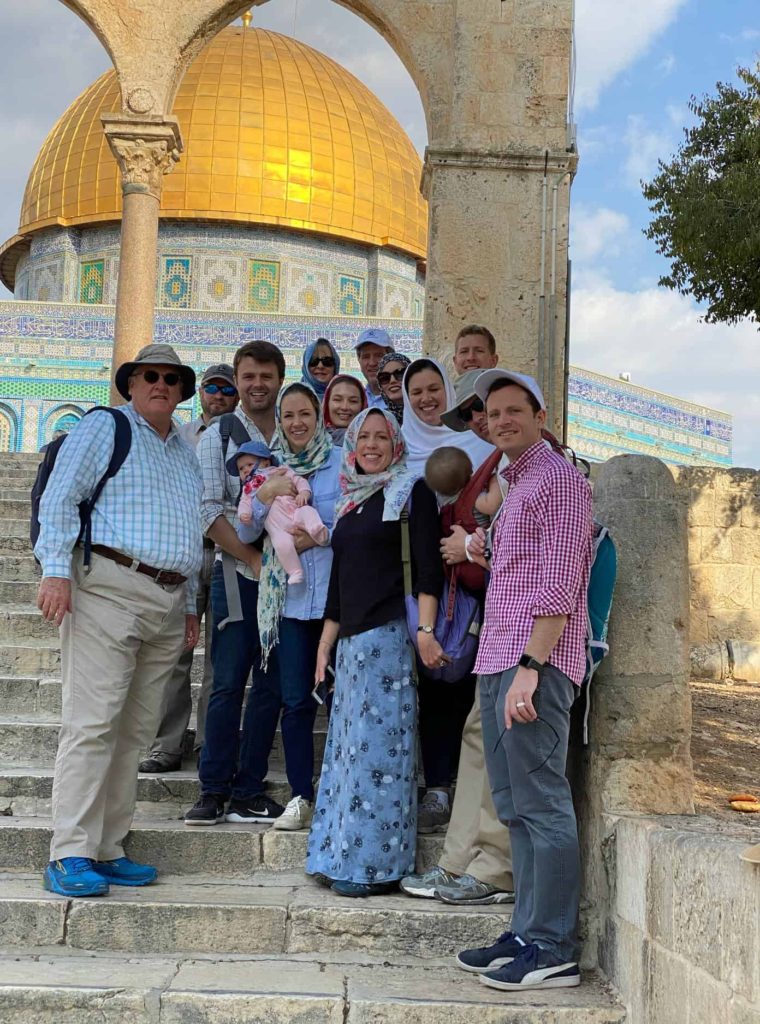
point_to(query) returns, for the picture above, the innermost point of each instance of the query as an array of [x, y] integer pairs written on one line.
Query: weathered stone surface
[[63, 1005], [24, 741], [667, 997], [34, 921], [29, 658], [708, 999]]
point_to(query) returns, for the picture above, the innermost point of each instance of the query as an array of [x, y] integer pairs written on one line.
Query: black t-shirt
[[367, 579]]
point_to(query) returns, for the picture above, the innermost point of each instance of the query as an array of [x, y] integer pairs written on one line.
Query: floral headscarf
[[355, 486], [273, 578], [338, 433], [306, 375], [397, 408]]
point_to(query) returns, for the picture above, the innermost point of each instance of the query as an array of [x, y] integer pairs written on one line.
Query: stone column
[[638, 760], [497, 255], [146, 149]]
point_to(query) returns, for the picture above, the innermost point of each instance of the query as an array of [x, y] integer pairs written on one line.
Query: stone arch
[[62, 417], [8, 429]]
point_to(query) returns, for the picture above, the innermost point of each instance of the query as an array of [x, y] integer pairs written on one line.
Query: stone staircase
[[233, 932]]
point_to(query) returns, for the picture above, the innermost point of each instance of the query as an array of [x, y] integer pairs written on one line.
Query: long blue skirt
[[365, 821]]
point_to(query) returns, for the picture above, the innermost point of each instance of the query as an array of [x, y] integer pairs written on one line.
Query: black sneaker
[[487, 958], [534, 968], [254, 809], [208, 810]]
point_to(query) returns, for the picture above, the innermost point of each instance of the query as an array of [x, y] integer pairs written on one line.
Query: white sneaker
[[297, 815]]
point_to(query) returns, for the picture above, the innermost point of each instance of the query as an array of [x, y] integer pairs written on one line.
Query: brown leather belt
[[164, 577]]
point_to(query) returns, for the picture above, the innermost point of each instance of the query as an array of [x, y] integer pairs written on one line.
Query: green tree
[[706, 204]]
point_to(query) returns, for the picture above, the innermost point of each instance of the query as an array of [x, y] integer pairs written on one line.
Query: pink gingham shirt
[[541, 559]]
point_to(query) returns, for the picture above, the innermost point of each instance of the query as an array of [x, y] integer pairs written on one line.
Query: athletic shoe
[[297, 815], [426, 885], [488, 958], [434, 814], [208, 810], [534, 968], [124, 871], [255, 809], [468, 891], [359, 889], [160, 762], [74, 876]]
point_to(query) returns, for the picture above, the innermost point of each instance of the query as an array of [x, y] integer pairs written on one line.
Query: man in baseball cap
[[486, 380], [217, 395], [370, 347]]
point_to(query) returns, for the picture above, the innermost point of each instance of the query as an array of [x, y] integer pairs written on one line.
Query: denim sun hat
[[255, 448]]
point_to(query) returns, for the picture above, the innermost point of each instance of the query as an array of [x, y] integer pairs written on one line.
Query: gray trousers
[[531, 794], [177, 703]]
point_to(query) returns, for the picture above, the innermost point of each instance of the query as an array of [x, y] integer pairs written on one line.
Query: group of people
[[302, 519]]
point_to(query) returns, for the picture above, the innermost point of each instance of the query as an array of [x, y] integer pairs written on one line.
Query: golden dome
[[275, 133]]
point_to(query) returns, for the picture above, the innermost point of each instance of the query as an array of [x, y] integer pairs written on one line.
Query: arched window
[[8, 429]]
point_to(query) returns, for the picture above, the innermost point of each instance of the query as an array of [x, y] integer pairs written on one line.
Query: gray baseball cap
[[219, 371]]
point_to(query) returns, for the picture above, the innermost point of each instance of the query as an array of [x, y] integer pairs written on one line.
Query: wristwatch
[[529, 662], [425, 629]]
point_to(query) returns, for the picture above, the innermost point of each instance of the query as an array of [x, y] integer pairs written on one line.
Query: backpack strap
[[566, 452], [231, 426], [406, 551], [122, 443]]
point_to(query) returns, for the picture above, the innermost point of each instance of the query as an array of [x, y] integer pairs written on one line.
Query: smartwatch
[[529, 662]]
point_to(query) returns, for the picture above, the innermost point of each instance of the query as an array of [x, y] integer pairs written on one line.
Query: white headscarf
[[422, 439]]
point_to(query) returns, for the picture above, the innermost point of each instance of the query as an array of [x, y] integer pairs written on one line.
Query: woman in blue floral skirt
[[364, 831]]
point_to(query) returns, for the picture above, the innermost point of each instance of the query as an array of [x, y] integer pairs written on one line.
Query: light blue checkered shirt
[[150, 510]]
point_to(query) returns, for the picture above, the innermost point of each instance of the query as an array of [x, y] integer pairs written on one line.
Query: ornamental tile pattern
[[350, 300], [176, 282], [264, 286], [91, 277]]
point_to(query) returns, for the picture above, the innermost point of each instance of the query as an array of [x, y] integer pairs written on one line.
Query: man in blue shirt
[[124, 619]]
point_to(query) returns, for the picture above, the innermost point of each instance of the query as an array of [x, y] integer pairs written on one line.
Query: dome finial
[[247, 19]]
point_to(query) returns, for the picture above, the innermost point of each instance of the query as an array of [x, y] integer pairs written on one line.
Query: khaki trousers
[[119, 647], [476, 841]]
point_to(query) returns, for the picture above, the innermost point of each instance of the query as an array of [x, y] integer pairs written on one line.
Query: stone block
[[746, 660], [701, 510], [632, 837], [739, 943], [33, 922], [741, 1013], [636, 785], [661, 892], [22, 742], [724, 587], [65, 1005], [641, 715], [716, 545], [709, 1000], [745, 544], [29, 660], [624, 959], [667, 990], [697, 863], [186, 851]]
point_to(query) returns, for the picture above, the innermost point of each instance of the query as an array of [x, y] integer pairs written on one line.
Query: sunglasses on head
[[226, 389], [327, 361], [386, 376], [466, 414], [153, 377]]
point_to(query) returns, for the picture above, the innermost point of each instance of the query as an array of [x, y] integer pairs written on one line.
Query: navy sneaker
[[362, 889], [534, 968], [74, 876], [256, 809], [207, 810], [124, 871], [486, 958]]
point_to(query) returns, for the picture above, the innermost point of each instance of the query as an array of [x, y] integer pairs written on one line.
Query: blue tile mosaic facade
[[176, 282]]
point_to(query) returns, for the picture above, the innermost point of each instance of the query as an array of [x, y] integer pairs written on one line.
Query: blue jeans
[[297, 652], [236, 653], [531, 794]]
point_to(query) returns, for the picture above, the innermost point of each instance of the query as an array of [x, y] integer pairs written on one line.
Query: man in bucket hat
[[124, 618], [217, 395]]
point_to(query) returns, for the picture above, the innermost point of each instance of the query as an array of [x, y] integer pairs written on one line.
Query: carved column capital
[[145, 149]]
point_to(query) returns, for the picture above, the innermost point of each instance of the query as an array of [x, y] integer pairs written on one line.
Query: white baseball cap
[[488, 378]]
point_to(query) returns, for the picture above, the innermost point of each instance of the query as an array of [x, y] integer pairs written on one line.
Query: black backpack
[[231, 426], [121, 445]]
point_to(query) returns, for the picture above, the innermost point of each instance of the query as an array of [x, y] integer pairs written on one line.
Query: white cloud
[[657, 336], [644, 147], [597, 233], [611, 37]]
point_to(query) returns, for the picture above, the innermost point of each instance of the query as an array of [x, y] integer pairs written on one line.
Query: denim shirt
[[306, 600]]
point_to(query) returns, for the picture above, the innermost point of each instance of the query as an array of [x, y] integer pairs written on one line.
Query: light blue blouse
[[306, 600]]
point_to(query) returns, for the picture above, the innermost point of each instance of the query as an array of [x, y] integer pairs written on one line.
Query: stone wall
[[682, 936], [724, 553]]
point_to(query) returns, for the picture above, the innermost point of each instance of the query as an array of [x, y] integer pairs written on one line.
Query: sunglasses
[[388, 375], [153, 377], [226, 389], [467, 412], [327, 361]]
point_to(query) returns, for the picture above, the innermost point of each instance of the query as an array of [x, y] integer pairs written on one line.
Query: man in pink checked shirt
[[530, 661]]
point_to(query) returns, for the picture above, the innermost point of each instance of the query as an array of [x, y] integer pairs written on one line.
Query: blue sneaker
[[534, 968], [124, 871], [74, 876], [486, 958]]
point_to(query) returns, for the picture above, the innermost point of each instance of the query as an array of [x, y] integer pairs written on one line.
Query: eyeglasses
[[327, 361], [153, 377], [466, 413], [388, 375], [226, 389]]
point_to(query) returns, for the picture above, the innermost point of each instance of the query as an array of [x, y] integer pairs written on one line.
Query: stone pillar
[[146, 150], [638, 759], [497, 255]]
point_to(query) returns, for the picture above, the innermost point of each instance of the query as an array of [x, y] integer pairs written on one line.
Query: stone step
[[318, 988], [24, 622], [19, 567], [16, 592], [175, 848], [15, 537], [14, 493], [28, 658], [270, 912], [27, 739], [14, 508]]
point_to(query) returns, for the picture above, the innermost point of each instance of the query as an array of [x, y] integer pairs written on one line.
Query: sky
[[637, 66]]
